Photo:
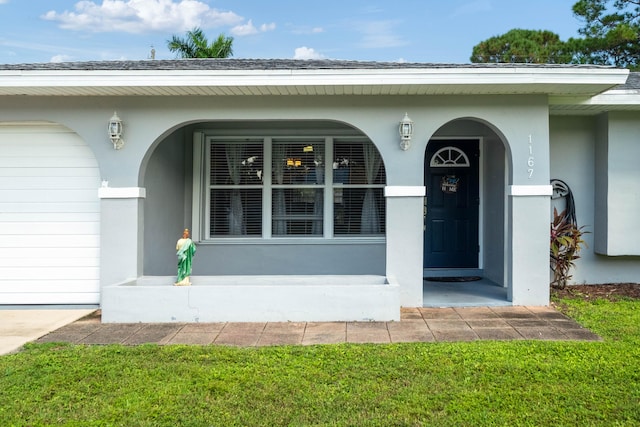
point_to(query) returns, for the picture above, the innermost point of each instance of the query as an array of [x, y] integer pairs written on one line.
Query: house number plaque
[[530, 160]]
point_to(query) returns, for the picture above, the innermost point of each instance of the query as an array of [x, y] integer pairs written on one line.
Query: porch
[[271, 298], [462, 287]]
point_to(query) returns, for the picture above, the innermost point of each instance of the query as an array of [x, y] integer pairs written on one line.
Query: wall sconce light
[[406, 131], [115, 131]]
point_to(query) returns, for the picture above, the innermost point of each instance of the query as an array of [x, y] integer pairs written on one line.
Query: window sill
[[295, 241]]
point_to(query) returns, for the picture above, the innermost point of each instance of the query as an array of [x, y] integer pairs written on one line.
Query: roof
[[268, 64], [623, 97], [232, 77]]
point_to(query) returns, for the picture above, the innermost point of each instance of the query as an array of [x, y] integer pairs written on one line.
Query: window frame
[[201, 215]]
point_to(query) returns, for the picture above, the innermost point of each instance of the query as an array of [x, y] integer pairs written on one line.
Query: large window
[[273, 188]]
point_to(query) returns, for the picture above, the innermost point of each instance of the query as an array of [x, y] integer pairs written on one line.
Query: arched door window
[[449, 157]]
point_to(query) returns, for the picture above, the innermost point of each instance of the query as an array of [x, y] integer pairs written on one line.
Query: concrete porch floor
[[464, 294], [417, 325]]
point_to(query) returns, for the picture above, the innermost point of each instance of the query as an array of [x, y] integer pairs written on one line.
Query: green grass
[[471, 383]]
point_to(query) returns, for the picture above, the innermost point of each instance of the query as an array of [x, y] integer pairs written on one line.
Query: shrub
[[566, 243]]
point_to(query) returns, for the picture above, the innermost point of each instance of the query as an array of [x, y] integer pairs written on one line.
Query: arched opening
[[466, 215], [266, 198]]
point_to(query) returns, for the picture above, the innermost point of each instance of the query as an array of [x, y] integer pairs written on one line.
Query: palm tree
[[196, 45]]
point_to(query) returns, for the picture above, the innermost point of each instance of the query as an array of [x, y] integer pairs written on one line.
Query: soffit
[[611, 100]]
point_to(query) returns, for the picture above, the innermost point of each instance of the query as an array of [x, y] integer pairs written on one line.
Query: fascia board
[[441, 76], [612, 97], [453, 80]]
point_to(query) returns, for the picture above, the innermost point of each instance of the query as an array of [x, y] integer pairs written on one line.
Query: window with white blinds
[[294, 187], [358, 184], [235, 191], [297, 187]]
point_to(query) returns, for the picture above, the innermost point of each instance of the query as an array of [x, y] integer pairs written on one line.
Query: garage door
[[49, 216]]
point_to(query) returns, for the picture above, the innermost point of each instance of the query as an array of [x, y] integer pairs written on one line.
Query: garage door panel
[[45, 183], [61, 207], [39, 135], [38, 162], [37, 286], [55, 195], [50, 228], [49, 217], [44, 254], [49, 241], [56, 260], [46, 172], [49, 273], [34, 287], [54, 217], [35, 298], [44, 151], [48, 139]]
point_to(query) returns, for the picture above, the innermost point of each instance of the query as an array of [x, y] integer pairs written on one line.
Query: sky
[[434, 31]]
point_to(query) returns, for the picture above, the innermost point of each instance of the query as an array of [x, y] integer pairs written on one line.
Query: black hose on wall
[[561, 189]]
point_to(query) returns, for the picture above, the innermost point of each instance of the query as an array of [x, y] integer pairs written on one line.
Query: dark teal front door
[[452, 203]]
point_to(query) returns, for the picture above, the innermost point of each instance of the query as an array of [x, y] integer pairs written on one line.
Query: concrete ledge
[[122, 193], [530, 190], [404, 191], [253, 299]]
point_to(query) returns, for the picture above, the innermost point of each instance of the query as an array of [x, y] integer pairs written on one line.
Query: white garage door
[[49, 216]]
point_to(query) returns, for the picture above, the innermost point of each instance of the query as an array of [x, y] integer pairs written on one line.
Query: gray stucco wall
[[623, 179], [149, 120], [494, 186], [579, 157], [165, 203], [601, 165]]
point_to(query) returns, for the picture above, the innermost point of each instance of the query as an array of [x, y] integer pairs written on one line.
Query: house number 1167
[[530, 160]]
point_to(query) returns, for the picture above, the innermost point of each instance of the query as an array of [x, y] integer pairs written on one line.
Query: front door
[[452, 202]]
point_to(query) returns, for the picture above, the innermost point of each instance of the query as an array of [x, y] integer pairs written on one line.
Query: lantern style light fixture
[[115, 131], [406, 131]]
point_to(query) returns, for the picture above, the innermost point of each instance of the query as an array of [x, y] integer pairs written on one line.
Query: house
[[304, 200]]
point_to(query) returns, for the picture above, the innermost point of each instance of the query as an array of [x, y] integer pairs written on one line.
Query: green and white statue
[[186, 250]]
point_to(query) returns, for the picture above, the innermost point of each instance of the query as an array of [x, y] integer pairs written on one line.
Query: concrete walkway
[[417, 325], [18, 327]]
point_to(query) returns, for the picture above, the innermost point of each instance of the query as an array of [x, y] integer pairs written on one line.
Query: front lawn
[[469, 383]]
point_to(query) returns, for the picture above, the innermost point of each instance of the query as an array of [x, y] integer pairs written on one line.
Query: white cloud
[[249, 29], [4, 1], [307, 53], [60, 58], [244, 29], [137, 16]]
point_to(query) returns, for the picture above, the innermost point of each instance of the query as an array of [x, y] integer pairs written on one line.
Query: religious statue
[[186, 250]]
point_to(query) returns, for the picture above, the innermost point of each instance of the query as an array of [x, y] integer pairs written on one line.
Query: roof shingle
[[257, 64]]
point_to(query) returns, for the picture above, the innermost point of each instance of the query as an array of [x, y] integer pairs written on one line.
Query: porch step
[[452, 272]]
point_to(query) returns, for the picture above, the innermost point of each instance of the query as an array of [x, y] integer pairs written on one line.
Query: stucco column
[[405, 207], [121, 231], [529, 258]]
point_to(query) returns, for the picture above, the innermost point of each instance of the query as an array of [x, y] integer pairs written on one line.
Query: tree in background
[[523, 46], [610, 36], [611, 32], [196, 45]]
